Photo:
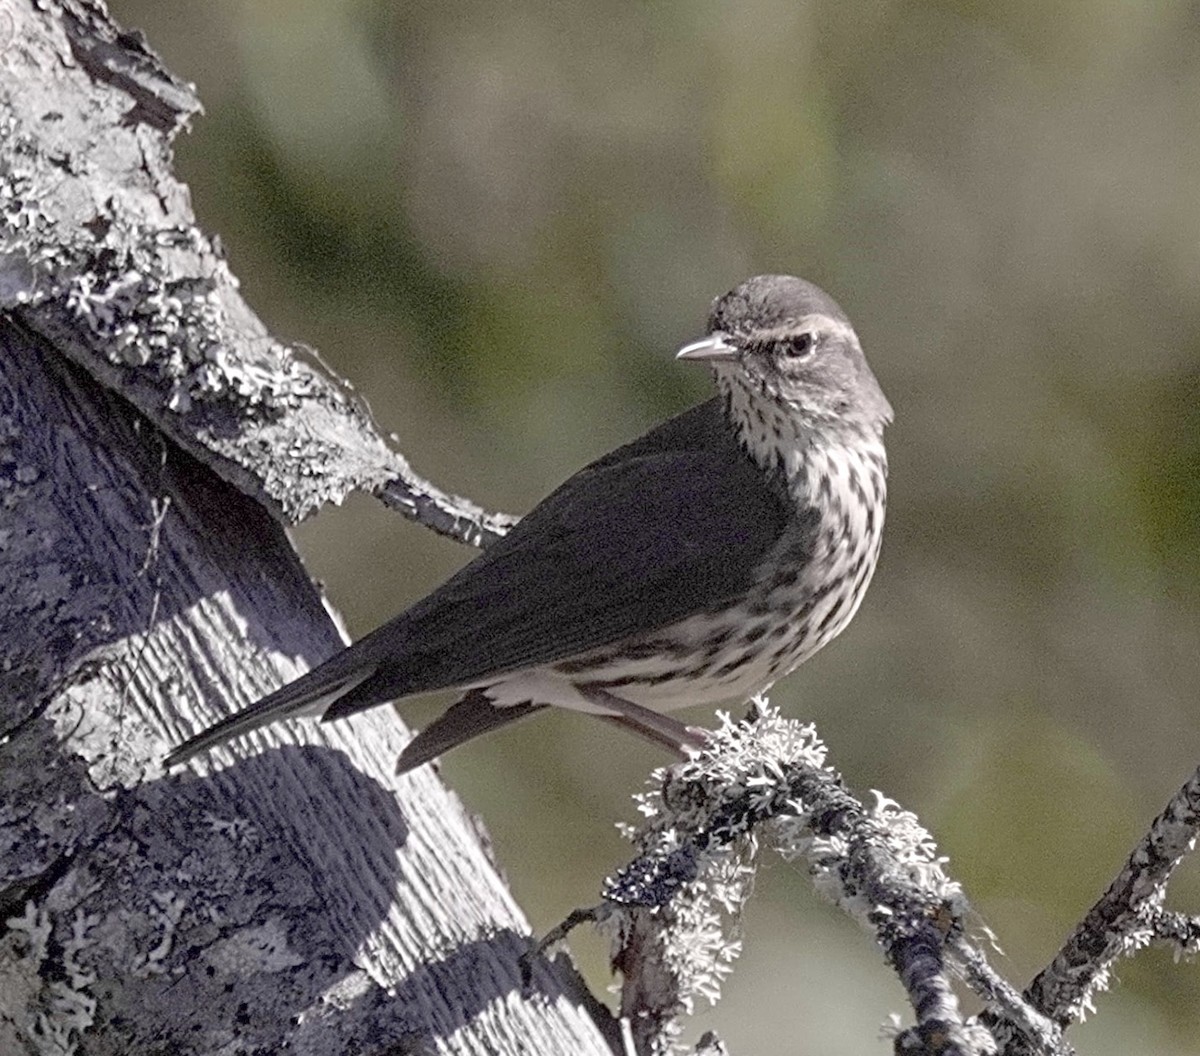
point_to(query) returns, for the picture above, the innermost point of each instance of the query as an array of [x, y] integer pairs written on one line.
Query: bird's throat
[[776, 436], [782, 439]]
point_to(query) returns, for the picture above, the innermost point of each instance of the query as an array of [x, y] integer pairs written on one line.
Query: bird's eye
[[797, 347]]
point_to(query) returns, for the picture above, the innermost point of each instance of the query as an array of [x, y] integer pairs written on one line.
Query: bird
[[695, 565]]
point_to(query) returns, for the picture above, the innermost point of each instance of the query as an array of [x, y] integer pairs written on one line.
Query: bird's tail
[[309, 694], [473, 716]]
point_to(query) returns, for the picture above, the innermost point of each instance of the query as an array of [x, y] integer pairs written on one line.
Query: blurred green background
[[499, 220]]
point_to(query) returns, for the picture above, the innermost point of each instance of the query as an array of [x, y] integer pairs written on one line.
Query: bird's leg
[[653, 725], [654, 736]]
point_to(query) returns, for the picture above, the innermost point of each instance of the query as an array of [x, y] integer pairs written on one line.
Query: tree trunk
[[297, 896]]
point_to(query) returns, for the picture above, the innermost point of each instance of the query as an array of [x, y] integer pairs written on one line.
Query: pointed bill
[[714, 348]]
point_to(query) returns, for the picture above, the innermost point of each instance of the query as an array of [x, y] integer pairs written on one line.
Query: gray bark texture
[[298, 898]]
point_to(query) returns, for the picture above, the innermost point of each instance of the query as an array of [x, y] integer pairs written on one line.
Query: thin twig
[[1117, 924], [449, 515], [1016, 1014]]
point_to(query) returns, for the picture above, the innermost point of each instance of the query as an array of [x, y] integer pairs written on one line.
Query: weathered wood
[[290, 894], [102, 256]]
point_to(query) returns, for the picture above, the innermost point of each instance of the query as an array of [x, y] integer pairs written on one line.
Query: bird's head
[[779, 338]]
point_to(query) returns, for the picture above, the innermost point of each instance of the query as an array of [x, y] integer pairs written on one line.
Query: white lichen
[[167, 911], [44, 1008]]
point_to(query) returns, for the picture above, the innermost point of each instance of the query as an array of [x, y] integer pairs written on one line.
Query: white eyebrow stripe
[[826, 324], [831, 326]]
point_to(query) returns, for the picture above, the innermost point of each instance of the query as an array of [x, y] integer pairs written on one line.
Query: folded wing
[[673, 524]]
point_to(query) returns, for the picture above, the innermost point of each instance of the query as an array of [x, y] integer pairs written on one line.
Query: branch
[[102, 260], [1127, 917], [668, 912]]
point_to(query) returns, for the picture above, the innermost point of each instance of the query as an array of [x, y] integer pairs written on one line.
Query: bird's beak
[[712, 349]]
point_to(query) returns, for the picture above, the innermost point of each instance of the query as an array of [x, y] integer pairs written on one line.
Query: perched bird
[[695, 565]]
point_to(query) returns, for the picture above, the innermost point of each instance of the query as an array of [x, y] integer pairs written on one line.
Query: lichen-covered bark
[[297, 895], [101, 256], [290, 894]]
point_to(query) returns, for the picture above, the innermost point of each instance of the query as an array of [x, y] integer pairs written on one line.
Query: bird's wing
[[669, 525], [645, 537]]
